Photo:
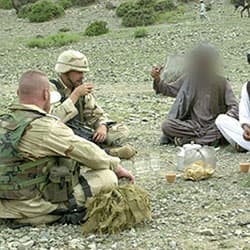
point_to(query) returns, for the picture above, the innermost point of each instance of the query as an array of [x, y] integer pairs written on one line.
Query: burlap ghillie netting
[[117, 209]]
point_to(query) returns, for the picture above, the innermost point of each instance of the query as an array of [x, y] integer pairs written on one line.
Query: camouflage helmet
[[71, 60]]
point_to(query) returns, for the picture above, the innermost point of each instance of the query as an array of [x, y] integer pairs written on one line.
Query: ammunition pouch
[[59, 185], [22, 181]]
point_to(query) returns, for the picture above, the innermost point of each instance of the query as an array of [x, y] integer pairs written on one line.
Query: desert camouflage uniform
[[93, 115], [48, 136]]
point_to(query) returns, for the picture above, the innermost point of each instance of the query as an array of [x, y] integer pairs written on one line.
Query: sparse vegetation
[[143, 12], [84, 2], [139, 17], [124, 8], [57, 40], [24, 11], [174, 16], [6, 4], [66, 3], [96, 28], [164, 5], [211, 214], [41, 11], [140, 33]]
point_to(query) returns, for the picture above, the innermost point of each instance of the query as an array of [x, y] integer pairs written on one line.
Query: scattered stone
[[207, 232]]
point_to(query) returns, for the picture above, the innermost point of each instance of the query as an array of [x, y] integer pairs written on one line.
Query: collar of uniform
[[27, 107]]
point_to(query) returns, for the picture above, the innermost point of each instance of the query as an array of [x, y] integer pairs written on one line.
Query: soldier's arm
[[52, 138], [94, 115], [168, 89], [65, 111]]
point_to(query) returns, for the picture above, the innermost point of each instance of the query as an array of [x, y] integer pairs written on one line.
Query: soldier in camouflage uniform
[[44, 165], [78, 108]]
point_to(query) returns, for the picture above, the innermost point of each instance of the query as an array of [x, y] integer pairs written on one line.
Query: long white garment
[[231, 128], [203, 9]]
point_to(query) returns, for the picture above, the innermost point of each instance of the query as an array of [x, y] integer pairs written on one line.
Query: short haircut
[[32, 82]]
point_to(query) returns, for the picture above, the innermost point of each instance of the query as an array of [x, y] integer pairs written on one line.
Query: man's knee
[[101, 179], [118, 134], [220, 120], [166, 127]]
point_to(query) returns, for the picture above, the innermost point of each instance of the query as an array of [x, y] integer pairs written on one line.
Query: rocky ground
[[212, 214]]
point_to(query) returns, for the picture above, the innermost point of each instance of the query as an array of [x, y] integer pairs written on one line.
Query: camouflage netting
[[117, 209]]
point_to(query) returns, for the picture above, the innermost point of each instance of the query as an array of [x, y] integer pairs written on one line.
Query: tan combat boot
[[124, 152]]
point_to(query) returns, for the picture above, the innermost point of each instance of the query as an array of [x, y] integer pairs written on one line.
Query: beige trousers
[[117, 134], [36, 211]]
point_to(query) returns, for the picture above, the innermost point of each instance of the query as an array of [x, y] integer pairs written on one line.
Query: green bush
[[140, 33], [164, 5], [96, 28], [186, 1], [42, 11], [146, 3], [6, 4], [139, 17], [66, 3], [124, 8], [24, 11], [57, 40], [84, 2]]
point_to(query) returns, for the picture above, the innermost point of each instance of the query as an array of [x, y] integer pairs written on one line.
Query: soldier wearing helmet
[[78, 108]]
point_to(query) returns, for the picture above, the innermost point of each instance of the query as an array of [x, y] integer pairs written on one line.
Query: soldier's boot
[[123, 152]]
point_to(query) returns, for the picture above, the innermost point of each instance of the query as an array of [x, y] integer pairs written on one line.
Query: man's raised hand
[[156, 73], [82, 90]]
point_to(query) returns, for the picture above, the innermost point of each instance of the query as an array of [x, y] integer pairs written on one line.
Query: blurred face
[[75, 78], [203, 64]]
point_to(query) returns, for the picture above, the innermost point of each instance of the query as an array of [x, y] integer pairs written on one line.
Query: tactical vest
[[22, 179]]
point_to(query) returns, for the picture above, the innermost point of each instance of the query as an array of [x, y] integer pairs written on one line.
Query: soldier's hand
[[123, 172], [100, 134], [156, 73], [82, 90], [246, 133]]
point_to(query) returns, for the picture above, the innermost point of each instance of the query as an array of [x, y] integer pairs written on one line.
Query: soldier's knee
[[101, 179], [118, 134], [123, 131], [110, 179]]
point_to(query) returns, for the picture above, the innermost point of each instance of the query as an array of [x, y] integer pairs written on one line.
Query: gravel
[[211, 214]]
